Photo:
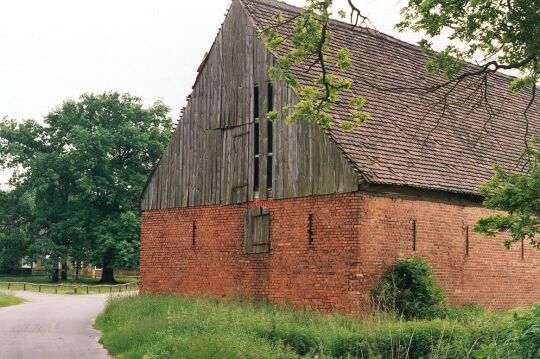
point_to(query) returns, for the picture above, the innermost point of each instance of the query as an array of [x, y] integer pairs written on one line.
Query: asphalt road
[[51, 326]]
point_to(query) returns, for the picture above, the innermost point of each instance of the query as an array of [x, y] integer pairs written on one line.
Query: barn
[[239, 205]]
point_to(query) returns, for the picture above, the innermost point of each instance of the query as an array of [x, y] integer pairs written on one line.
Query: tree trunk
[[64, 271], [55, 276], [77, 266], [56, 273], [107, 272]]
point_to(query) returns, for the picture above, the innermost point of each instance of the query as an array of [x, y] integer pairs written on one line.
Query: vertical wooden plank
[[276, 170], [250, 84], [263, 121], [282, 148], [265, 231], [224, 168], [185, 156], [178, 174]]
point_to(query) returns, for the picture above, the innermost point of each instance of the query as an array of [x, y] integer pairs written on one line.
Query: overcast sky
[[57, 49]]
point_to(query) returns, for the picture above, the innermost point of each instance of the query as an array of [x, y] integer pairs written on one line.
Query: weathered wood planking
[[209, 159], [257, 230]]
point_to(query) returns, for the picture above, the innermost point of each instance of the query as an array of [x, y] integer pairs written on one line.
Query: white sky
[[57, 49]]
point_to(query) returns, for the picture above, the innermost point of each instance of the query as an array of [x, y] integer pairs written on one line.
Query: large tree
[[85, 167], [15, 229]]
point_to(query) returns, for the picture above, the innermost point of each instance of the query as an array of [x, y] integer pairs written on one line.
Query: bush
[[521, 340], [409, 289]]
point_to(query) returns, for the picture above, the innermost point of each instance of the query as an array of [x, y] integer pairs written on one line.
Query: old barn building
[[293, 213]]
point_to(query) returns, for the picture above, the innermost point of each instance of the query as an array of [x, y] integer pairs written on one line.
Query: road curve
[[51, 326]]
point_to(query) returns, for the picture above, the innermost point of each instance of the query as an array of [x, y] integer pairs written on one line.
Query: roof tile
[[410, 140]]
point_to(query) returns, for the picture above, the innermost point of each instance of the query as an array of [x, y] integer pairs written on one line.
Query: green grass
[[8, 299], [47, 279], [187, 327], [44, 284]]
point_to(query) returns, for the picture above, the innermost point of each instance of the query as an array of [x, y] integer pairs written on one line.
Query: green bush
[[409, 289], [521, 339]]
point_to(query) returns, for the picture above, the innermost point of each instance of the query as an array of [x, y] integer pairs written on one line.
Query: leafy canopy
[[502, 34], [84, 169], [518, 194], [15, 229], [309, 46]]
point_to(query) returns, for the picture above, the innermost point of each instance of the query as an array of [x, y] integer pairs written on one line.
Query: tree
[[86, 167], [496, 35], [518, 194], [15, 229]]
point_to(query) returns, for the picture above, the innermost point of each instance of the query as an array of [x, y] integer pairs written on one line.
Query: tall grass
[[187, 327]]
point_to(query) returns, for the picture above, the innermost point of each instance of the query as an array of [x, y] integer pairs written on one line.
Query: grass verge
[[47, 279], [9, 299], [187, 327], [83, 286]]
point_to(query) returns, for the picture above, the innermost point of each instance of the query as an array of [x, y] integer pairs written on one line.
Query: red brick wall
[[490, 275], [321, 275], [356, 237]]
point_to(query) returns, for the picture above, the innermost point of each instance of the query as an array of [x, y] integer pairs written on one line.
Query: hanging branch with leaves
[[309, 46]]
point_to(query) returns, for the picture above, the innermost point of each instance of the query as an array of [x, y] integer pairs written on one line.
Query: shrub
[[409, 289], [521, 341]]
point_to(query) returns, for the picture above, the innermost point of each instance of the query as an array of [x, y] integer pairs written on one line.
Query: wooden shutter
[[257, 230]]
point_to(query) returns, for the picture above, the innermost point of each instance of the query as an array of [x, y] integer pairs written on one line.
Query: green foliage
[[194, 327], [15, 229], [521, 341], [522, 83], [272, 116], [309, 46], [82, 172], [465, 314], [517, 195], [343, 59], [409, 289], [505, 32]]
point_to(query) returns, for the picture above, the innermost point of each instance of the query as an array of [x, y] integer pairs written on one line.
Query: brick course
[[356, 237]]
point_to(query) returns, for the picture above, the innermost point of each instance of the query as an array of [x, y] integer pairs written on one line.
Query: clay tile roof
[[411, 140]]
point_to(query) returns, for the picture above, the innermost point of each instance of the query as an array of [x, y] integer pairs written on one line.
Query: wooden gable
[[210, 157]]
